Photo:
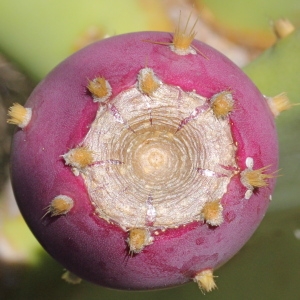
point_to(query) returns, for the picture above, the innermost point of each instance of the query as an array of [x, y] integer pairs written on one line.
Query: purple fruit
[[146, 162]]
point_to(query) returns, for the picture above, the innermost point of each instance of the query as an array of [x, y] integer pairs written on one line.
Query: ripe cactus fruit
[[160, 152]]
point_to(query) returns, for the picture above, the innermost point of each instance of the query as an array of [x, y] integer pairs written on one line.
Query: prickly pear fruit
[[147, 160]]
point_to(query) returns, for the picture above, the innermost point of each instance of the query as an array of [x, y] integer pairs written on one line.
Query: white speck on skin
[[249, 162], [248, 194]]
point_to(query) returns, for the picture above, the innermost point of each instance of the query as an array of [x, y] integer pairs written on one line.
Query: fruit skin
[[62, 111]]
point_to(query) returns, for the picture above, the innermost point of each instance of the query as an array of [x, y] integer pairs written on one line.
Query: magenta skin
[[62, 111]]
